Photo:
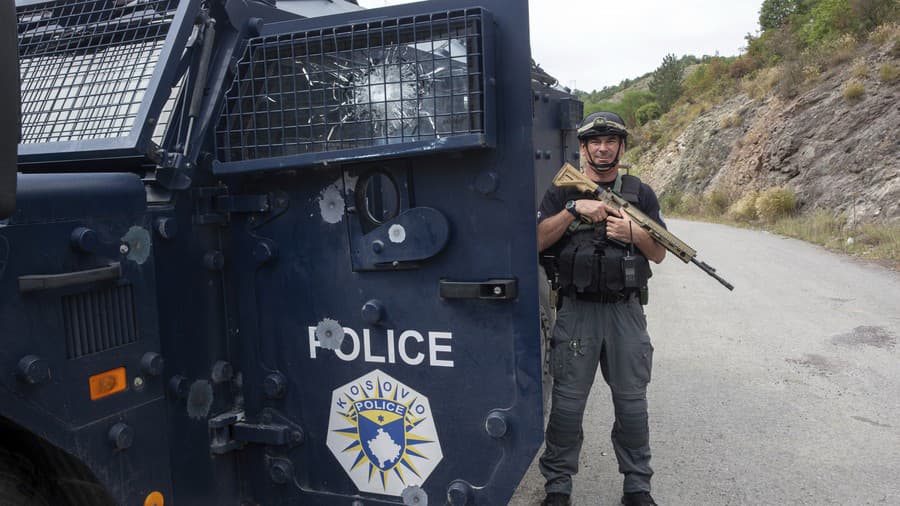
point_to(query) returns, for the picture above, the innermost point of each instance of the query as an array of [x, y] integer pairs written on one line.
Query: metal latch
[[492, 289], [230, 431], [213, 205]]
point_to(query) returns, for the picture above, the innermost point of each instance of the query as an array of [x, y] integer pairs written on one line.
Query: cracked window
[[357, 86]]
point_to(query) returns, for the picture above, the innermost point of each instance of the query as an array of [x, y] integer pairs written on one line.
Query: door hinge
[[231, 431]]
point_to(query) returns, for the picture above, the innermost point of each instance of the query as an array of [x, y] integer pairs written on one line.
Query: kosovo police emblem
[[382, 433]]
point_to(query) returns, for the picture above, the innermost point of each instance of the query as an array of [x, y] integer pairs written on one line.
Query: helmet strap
[[603, 167]]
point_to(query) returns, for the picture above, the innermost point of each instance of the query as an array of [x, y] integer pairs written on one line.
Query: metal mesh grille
[[99, 320], [86, 65], [372, 84]]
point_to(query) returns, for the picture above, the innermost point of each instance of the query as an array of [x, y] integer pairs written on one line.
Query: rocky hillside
[[833, 150]]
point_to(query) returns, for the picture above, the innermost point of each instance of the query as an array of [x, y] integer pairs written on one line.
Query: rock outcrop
[[835, 153]]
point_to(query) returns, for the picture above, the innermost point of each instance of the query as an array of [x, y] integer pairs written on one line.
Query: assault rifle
[[570, 176]]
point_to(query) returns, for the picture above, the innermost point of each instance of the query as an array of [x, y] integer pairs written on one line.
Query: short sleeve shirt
[[555, 200]]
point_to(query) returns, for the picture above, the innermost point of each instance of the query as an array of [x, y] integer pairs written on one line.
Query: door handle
[[492, 289], [38, 282]]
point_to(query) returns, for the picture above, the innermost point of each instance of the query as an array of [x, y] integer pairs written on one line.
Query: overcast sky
[[630, 38]]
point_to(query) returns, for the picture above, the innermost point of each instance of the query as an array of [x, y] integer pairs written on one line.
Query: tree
[[666, 82], [775, 13]]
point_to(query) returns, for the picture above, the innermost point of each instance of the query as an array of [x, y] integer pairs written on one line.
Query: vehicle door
[[382, 267]]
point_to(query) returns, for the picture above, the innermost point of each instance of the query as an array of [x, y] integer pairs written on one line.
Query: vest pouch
[[583, 268], [566, 264], [612, 278]]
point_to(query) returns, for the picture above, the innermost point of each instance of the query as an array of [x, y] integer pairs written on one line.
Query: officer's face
[[603, 149]]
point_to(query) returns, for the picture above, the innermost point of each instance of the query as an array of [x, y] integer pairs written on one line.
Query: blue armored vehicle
[[260, 253]]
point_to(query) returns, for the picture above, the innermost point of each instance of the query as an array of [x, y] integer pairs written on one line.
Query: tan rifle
[[569, 176]]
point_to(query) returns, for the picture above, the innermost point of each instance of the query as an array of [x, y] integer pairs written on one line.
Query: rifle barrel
[[712, 272]]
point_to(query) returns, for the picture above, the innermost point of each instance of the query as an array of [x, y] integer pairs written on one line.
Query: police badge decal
[[382, 433]]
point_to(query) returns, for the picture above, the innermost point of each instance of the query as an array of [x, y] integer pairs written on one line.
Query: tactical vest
[[589, 262]]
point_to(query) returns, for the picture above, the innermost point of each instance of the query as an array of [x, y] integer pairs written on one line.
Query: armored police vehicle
[[271, 253]]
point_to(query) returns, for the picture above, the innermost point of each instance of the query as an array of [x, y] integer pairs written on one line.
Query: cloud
[[595, 44]]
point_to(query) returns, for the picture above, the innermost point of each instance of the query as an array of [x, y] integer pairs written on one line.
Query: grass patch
[[888, 72], [759, 85], [853, 90], [860, 69], [775, 203], [884, 33], [879, 242], [744, 210], [732, 120], [872, 241]]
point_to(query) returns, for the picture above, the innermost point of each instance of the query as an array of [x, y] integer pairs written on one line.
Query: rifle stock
[[569, 176]]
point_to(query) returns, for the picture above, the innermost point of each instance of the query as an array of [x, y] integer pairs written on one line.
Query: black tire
[[548, 320], [19, 482]]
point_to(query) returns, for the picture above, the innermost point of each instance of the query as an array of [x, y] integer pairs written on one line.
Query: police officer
[[602, 266]]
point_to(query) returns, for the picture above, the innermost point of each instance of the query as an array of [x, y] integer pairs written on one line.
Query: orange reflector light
[[154, 499], [107, 383]]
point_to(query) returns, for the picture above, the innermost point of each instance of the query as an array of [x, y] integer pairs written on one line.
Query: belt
[[606, 298]]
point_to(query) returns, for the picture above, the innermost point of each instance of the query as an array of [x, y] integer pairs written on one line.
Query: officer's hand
[[621, 228], [594, 209]]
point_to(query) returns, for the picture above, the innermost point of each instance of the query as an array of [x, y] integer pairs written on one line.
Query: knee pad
[[566, 417], [632, 427]]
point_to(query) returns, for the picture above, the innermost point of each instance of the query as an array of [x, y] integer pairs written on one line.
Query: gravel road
[[783, 392]]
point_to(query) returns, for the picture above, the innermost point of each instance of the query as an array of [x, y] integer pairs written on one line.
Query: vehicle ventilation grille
[[378, 83], [86, 65], [99, 320]]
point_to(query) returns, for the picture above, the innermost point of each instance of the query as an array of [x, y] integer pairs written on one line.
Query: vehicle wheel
[[548, 320], [19, 485]]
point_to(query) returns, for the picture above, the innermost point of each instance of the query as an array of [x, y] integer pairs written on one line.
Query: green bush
[[732, 120], [716, 203], [888, 72], [853, 90], [710, 79], [744, 210], [860, 68], [791, 79], [692, 204], [776, 13], [827, 20], [884, 33], [775, 203], [627, 107], [647, 112], [670, 202], [742, 66]]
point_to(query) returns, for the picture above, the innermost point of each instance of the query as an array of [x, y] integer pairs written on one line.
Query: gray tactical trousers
[[615, 336]]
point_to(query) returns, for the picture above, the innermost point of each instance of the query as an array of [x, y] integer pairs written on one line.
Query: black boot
[[556, 499], [638, 499]]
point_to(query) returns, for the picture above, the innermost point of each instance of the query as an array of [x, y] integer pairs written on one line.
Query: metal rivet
[[152, 363], [221, 372], [214, 260], [85, 240], [373, 311], [496, 424], [460, 493], [281, 471], [275, 385], [121, 436], [33, 369], [179, 386], [167, 228]]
